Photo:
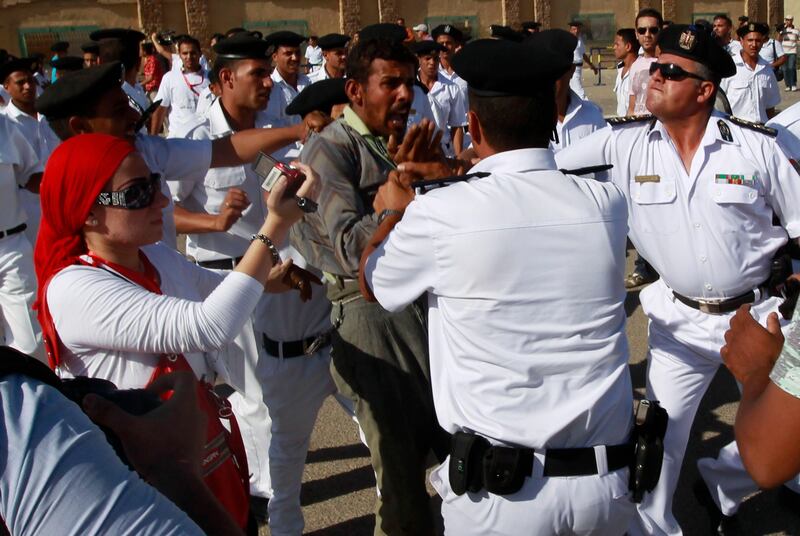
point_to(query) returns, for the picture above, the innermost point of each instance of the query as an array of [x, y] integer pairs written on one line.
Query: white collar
[[517, 161], [218, 125]]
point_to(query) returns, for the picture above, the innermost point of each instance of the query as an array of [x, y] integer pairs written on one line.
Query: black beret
[[557, 41], [423, 48], [67, 63], [123, 34], [92, 47], [242, 46], [505, 32], [333, 40], [758, 27], [320, 96], [17, 64], [497, 67], [75, 89], [575, 24], [285, 38], [59, 46], [384, 30], [695, 43], [448, 29], [531, 25]]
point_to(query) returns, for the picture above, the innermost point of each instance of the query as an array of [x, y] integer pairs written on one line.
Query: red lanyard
[[192, 86]]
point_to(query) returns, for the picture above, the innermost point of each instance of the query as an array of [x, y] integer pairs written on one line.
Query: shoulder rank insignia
[[587, 170], [628, 119], [758, 127], [427, 185], [724, 130]]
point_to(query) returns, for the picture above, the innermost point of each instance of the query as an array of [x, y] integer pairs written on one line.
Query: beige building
[[28, 26]]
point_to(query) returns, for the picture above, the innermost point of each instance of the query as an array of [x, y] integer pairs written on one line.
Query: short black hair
[[361, 56], [148, 48], [650, 12], [628, 36], [187, 40], [517, 122]]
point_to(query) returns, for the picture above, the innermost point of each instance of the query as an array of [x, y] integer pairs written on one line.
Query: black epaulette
[[758, 127], [427, 185], [628, 119], [587, 170]]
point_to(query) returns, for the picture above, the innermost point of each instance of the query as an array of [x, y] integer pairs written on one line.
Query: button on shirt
[[709, 231], [751, 92], [209, 195], [180, 91], [18, 161], [583, 117], [514, 358]]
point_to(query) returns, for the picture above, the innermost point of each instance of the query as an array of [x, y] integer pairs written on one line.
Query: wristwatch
[[388, 212], [306, 205]]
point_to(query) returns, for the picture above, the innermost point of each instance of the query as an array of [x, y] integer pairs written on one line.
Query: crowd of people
[[400, 219]]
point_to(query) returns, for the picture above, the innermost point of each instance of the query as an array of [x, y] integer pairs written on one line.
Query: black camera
[[134, 401], [166, 38]]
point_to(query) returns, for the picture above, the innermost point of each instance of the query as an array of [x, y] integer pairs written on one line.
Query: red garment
[[153, 67], [75, 174]]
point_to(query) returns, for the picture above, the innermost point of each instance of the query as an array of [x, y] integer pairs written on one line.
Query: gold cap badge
[[687, 40]]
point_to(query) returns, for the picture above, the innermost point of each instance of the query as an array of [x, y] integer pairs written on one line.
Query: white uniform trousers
[[576, 82], [254, 423], [587, 505], [33, 209], [17, 294], [294, 389], [682, 361]]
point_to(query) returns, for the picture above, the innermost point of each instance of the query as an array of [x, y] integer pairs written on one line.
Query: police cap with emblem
[[448, 29], [285, 38], [75, 90], [531, 25], [333, 41], [67, 63], [91, 47], [694, 43], [242, 46], [424, 48], [558, 41], [758, 27], [505, 32], [496, 68], [20, 64], [384, 30], [320, 96], [59, 46]]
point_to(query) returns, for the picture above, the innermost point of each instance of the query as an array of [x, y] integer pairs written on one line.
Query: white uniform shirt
[[208, 196], [18, 161], [622, 89], [771, 51], [60, 475], [513, 357], [180, 91], [583, 117], [751, 92], [204, 102], [449, 109], [279, 98], [176, 159], [36, 130], [5, 98], [420, 108], [733, 48], [313, 56], [580, 50], [113, 329], [138, 94], [318, 75], [708, 232]]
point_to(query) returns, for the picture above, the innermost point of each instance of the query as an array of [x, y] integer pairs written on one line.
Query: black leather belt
[[582, 461], [295, 348], [220, 264], [14, 230], [718, 307]]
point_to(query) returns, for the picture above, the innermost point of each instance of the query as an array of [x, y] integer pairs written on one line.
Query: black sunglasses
[[670, 71], [141, 194], [653, 30]]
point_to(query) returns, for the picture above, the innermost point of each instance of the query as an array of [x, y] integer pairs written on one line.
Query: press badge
[[647, 178]]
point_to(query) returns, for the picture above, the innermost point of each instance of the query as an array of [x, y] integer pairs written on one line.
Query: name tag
[[647, 178]]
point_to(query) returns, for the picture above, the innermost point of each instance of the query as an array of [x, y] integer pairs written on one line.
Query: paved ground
[[338, 491]]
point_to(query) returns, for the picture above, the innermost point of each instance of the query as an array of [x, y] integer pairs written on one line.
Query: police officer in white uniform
[[334, 55], [516, 363], [579, 56], [753, 91], [287, 82], [20, 166], [702, 190], [123, 45]]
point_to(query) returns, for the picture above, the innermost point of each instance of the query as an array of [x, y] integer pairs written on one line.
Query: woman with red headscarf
[[115, 304]]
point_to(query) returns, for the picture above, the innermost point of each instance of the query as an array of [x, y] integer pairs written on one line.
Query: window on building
[[39, 40], [598, 28]]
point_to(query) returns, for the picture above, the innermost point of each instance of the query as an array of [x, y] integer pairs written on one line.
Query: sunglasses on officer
[[141, 194], [670, 71], [652, 29]]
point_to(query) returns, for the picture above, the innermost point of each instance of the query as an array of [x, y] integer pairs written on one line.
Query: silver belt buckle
[[711, 308], [315, 345]]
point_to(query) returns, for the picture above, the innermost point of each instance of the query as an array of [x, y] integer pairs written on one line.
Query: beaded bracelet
[[264, 239]]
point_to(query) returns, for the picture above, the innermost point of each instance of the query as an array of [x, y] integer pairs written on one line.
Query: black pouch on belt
[[649, 428], [505, 469], [466, 462]]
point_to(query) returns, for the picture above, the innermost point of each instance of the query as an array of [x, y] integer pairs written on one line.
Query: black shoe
[[720, 524], [258, 508], [789, 500]]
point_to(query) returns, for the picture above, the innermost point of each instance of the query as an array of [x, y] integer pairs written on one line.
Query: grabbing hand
[[301, 279], [315, 121], [751, 349], [230, 211], [395, 193]]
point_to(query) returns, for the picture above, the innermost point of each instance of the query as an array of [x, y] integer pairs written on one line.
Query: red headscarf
[[75, 174]]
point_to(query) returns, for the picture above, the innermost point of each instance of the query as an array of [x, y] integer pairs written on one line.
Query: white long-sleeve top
[[113, 329]]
